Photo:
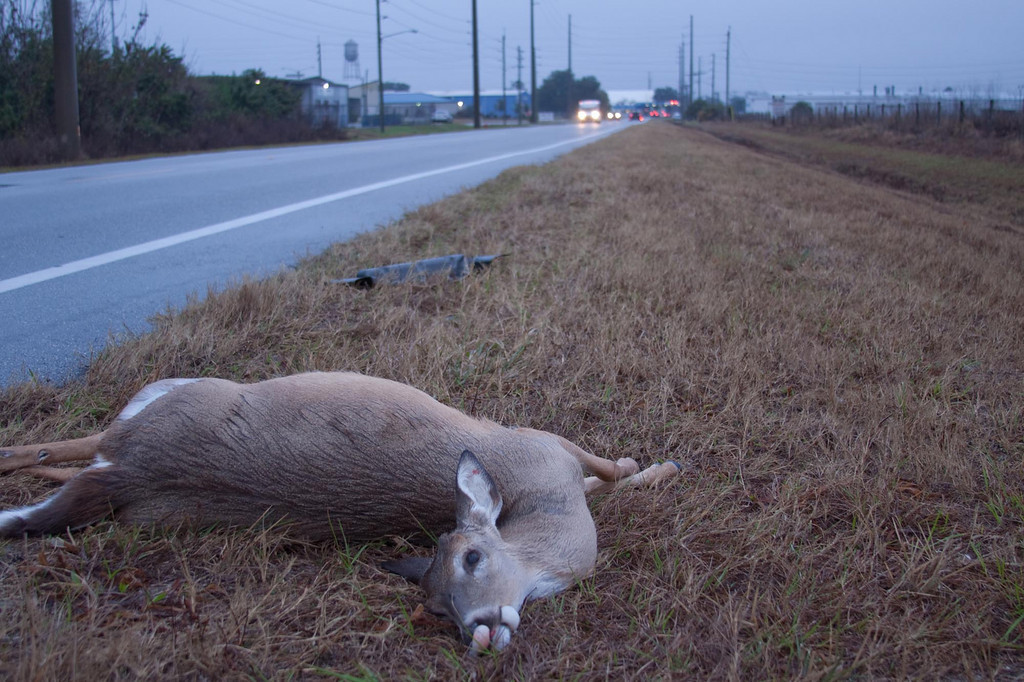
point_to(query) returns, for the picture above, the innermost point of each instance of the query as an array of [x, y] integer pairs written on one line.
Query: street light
[[380, 66]]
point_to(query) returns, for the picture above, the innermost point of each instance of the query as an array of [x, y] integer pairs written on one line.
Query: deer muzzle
[[495, 635]]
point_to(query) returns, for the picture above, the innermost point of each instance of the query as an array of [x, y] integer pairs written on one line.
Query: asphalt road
[[94, 251]]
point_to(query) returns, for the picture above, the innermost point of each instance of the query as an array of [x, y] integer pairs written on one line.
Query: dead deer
[[342, 454]]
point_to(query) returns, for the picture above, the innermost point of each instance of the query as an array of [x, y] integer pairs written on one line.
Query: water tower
[[352, 71]]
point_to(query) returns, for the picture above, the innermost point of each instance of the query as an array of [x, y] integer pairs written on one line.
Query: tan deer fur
[[341, 455]]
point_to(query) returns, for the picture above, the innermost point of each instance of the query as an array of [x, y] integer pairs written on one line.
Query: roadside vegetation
[[834, 359], [134, 98]]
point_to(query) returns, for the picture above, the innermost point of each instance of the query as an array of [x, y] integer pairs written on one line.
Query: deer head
[[475, 579]]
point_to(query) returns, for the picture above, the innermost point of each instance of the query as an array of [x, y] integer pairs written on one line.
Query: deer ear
[[477, 499], [411, 568]]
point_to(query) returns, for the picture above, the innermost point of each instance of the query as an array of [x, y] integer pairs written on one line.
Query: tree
[[802, 112], [395, 87], [133, 97], [553, 94], [706, 110], [665, 95], [254, 94]]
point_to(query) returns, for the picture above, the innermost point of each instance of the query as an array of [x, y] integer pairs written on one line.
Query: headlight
[[581, 115]]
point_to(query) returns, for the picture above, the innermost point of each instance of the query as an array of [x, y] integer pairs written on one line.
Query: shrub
[[705, 110]]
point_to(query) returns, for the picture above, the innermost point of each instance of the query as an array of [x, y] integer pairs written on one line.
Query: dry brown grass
[[837, 365]]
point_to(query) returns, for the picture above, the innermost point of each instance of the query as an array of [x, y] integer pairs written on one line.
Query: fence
[[1000, 118]]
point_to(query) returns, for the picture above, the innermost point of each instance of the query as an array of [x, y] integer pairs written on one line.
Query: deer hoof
[[501, 637], [510, 618], [628, 466], [481, 638]]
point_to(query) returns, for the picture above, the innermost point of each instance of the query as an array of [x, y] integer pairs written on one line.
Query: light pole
[[380, 66], [476, 74]]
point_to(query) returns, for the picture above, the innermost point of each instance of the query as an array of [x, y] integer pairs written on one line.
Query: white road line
[[99, 260]]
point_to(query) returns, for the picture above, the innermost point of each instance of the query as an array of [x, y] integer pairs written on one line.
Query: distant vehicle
[[441, 116], [636, 116], [589, 110]]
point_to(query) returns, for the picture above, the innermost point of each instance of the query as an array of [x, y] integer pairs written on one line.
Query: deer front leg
[[650, 476], [603, 469], [23, 456]]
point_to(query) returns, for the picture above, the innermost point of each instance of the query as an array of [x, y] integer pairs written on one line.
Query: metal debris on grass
[[456, 266]]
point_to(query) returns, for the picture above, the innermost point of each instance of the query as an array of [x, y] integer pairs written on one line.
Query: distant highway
[[94, 250]]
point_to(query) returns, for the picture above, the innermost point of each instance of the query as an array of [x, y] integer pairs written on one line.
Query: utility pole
[[113, 32], [519, 85], [476, 74], [713, 96], [568, 104], [700, 77], [728, 39], [504, 97], [533, 70], [319, 60], [682, 71], [691, 60], [380, 73], [65, 79]]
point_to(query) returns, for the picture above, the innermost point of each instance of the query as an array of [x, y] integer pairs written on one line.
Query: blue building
[[493, 104], [414, 107]]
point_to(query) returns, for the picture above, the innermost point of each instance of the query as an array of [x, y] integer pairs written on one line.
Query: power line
[[435, 12], [297, 22], [235, 21], [336, 6], [460, 31]]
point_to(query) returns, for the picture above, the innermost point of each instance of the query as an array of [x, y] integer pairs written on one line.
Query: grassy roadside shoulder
[[967, 172], [836, 365]]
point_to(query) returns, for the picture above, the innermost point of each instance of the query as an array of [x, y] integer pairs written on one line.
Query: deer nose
[[491, 620]]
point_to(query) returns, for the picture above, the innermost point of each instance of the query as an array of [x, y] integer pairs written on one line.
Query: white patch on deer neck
[[545, 585], [147, 395]]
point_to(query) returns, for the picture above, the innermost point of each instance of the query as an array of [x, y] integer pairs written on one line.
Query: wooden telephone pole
[[65, 79]]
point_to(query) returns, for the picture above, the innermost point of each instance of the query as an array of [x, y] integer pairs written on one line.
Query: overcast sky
[[777, 46]]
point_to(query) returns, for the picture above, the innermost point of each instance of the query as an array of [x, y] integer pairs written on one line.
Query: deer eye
[[472, 558]]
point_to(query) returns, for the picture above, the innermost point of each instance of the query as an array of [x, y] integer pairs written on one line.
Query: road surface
[[95, 250]]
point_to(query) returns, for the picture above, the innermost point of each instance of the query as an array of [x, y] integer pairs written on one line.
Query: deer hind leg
[[58, 474], [84, 499], [31, 456], [609, 475]]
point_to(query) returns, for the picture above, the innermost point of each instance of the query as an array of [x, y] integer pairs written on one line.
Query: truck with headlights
[[588, 111]]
